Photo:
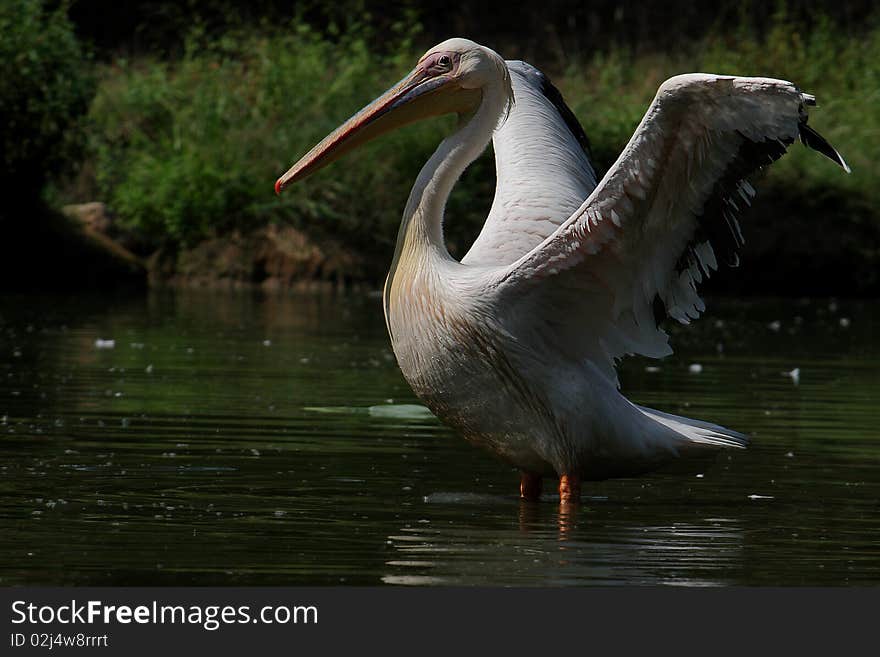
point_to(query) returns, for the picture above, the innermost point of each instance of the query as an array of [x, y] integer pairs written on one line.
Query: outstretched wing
[[543, 170], [658, 222]]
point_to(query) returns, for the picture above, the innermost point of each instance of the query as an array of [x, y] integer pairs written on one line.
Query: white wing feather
[[648, 231]]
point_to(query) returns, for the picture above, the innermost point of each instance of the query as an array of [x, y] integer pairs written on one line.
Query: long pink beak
[[419, 95]]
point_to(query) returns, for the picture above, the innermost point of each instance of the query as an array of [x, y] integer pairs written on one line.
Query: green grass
[[188, 149]]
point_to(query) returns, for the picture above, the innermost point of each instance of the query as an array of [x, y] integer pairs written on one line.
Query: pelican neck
[[422, 225]]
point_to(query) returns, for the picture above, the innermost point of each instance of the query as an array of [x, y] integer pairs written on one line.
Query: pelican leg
[[529, 486], [569, 489]]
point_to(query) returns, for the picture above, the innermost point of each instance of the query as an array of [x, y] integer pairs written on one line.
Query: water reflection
[[569, 546]]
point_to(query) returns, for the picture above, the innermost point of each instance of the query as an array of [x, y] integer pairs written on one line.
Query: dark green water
[[227, 439]]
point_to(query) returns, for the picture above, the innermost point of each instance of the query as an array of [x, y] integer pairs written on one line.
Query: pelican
[[516, 345]]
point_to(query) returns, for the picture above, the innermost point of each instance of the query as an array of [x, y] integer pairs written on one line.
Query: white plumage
[[516, 345]]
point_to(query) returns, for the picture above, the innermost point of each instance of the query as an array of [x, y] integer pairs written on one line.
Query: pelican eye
[[440, 64]]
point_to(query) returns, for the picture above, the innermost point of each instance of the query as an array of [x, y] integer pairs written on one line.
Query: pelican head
[[448, 79]]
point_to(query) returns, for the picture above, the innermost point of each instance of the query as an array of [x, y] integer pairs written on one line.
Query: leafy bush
[[187, 149], [45, 89]]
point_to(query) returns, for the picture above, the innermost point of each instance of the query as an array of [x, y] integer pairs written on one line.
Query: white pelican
[[516, 345]]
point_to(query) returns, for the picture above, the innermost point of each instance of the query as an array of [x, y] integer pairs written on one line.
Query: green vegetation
[[46, 87], [190, 148], [45, 90], [610, 93]]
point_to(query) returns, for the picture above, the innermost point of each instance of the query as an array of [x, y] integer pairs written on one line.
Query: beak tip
[[278, 187]]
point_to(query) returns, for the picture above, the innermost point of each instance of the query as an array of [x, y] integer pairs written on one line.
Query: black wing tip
[[817, 142]]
